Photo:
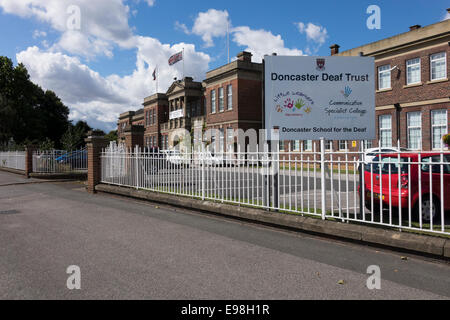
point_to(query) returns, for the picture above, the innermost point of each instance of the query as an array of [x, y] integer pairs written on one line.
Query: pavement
[[129, 249]]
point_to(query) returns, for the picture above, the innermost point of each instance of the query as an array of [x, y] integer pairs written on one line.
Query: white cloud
[[210, 24], [313, 32], [215, 23], [101, 99], [77, 43], [182, 27], [103, 23], [262, 42], [39, 34]]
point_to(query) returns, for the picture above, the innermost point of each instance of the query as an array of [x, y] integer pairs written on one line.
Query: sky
[[99, 55]]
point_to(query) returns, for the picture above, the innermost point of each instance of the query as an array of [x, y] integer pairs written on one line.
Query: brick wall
[[426, 91], [226, 115]]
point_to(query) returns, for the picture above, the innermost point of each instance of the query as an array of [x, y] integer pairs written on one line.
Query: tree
[[112, 136], [27, 113], [74, 136]]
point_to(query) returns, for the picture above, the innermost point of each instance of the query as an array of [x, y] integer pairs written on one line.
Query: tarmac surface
[[129, 249]]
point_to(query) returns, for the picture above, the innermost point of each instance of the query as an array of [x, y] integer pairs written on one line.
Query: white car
[[375, 152]]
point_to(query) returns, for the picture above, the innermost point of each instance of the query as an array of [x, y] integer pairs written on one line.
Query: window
[[328, 145], [213, 101], [385, 130], [230, 97], [282, 145], [221, 107], [438, 63], [388, 165], [413, 71], [435, 168], [213, 140], [414, 130], [307, 145], [221, 140], [343, 145], [384, 77], [295, 145], [368, 144], [230, 136], [154, 116], [146, 118], [438, 127]]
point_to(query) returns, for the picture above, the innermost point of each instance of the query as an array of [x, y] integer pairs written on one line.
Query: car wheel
[[376, 207], [430, 208]]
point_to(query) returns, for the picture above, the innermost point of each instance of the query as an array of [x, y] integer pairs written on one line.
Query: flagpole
[[183, 63], [228, 40]]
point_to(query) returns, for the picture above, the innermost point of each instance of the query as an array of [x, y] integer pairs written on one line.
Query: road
[[127, 249]]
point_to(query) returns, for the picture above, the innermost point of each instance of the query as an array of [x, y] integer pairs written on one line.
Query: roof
[[406, 39]]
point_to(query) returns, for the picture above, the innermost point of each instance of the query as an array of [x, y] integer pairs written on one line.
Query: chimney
[[244, 56], [415, 27], [334, 49]]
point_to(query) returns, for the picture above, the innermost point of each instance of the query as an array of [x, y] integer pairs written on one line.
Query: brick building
[[156, 112], [233, 95], [413, 88], [229, 98], [186, 108], [128, 119]]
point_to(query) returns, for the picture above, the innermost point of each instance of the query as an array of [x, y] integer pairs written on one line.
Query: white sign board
[[176, 114], [309, 98]]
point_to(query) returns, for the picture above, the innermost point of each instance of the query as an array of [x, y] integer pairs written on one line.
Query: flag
[[175, 58], [154, 75]]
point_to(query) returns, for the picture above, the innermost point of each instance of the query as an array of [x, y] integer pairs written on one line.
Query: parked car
[[375, 152], [414, 185]]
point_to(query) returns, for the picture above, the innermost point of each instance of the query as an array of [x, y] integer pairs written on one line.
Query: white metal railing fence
[[13, 160], [59, 161], [406, 190]]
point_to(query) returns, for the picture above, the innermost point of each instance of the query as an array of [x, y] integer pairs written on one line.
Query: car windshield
[[387, 162]]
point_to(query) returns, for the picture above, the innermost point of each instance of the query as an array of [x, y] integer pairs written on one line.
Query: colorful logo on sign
[[347, 92], [321, 64], [294, 104]]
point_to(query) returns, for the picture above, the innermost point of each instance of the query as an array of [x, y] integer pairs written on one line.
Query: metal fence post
[[136, 164], [202, 165], [322, 174]]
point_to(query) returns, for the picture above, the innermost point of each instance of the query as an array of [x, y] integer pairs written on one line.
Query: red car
[[415, 186]]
